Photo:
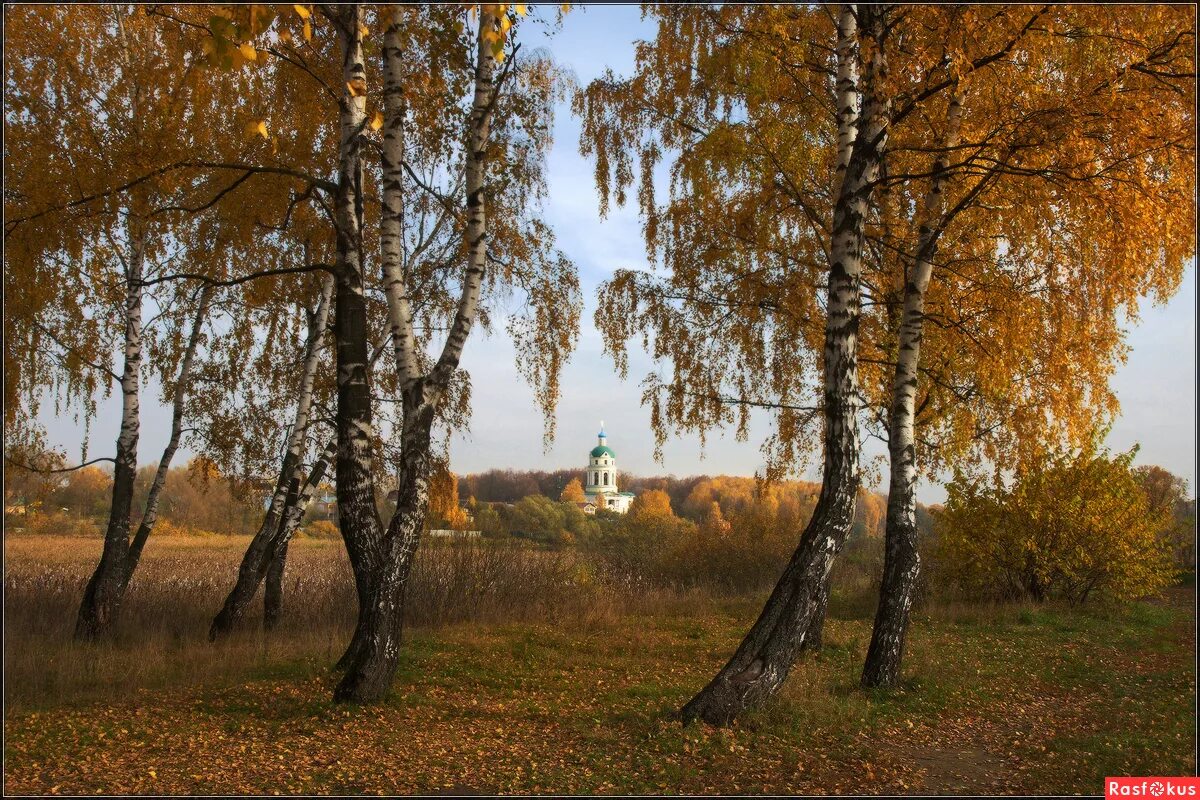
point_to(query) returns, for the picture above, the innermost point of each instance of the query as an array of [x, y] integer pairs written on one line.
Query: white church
[[600, 480]]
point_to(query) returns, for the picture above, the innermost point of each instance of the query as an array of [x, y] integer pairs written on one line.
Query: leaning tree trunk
[[375, 652], [762, 662], [101, 597], [150, 511], [263, 548], [273, 588], [815, 635], [118, 571], [902, 561], [846, 97], [293, 515]]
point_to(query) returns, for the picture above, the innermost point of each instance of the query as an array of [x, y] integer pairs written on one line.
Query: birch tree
[[1031, 143], [744, 234], [482, 144], [84, 253], [713, 48], [383, 558]]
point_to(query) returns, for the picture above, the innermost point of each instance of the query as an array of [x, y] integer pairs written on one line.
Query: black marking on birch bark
[[902, 559], [778, 635], [371, 659], [102, 595]]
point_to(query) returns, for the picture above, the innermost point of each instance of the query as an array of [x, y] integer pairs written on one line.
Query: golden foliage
[[1069, 524], [1074, 179], [573, 492], [651, 506], [444, 509], [322, 529], [51, 522]]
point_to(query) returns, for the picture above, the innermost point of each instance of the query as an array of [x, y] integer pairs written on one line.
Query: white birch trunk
[[478, 134], [262, 549], [293, 515], [392, 219], [150, 511], [358, 517], [763, 660], [312, 356], [846, 98], [101, 597], [373, 655], [902, 560]]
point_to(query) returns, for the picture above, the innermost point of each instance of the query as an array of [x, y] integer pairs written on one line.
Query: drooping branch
[[320, 183], [45, 471], [266, 273], [75, 352]]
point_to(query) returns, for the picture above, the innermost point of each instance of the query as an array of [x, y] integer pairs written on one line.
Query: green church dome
[[603, 450]]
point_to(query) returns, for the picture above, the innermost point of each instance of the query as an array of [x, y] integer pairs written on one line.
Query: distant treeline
[[691, 497], [509, 485], [195, 500], [198, 498]]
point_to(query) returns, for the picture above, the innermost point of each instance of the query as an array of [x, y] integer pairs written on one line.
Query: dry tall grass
[[160, 638]]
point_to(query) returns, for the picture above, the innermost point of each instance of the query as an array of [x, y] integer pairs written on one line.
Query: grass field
[[548, 694]]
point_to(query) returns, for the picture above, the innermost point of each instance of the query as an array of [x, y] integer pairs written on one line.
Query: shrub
[[321, 529], [1069, 525], [167, 527], [56, 523], [652, 548]]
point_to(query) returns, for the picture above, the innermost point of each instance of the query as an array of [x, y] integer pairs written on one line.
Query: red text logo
[[1152, 788]]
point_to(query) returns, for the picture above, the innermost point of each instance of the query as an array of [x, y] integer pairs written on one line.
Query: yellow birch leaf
[[520, 9], [377, 121], [256, 127], [248, 51], [307, 31], [363, 30], [302, 11]]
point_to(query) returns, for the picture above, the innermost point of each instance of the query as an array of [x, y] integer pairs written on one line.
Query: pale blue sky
[[1157, 387]]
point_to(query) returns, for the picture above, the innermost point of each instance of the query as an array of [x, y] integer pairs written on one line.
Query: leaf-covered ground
[[1008, 701]]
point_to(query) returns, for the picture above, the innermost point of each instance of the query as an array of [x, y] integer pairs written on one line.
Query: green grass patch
[[1048, 699]]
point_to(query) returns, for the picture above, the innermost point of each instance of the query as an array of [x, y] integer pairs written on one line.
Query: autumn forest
[[883, 248]]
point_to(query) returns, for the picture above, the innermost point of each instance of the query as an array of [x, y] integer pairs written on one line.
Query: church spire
[[602, 438]]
